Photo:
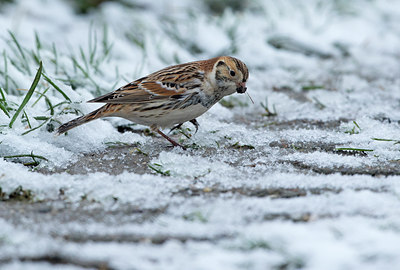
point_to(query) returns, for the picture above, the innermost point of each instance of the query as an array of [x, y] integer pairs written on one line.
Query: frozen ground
[[315, 186]]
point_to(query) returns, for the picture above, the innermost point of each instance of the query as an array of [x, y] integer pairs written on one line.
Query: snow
[[249, 197]]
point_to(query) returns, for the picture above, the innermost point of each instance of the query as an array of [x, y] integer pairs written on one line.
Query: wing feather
[[175, 82]]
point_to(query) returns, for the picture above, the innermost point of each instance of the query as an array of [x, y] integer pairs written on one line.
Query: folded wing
[[176, 82]]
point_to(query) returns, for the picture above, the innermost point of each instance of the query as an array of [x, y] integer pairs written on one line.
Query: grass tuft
[[355, 130], [24, 60], [268, 111]]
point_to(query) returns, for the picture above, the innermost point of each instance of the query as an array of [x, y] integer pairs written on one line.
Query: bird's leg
[[174, 143], [175, 127], [195, 123]]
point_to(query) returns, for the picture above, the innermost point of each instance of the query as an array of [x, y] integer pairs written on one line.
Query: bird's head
[[231, 74]]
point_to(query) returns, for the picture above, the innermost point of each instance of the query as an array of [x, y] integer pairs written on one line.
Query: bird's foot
[[196, 124], [193, 121]]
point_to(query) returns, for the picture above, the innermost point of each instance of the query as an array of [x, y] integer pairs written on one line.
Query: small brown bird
[[171, 96]]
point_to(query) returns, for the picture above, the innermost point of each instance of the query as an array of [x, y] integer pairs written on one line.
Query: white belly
[[167, 119]]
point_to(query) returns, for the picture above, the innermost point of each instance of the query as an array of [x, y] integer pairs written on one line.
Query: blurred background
[[126, 39]]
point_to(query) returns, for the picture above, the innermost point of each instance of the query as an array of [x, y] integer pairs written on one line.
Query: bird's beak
[[241, 87]]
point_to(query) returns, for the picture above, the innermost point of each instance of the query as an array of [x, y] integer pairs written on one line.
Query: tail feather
[[80, 120]]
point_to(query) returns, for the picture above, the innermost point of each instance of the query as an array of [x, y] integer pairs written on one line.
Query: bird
[[171, 96]]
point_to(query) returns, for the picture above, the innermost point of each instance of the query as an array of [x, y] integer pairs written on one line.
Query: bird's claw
[[196, 124], [193, 121]]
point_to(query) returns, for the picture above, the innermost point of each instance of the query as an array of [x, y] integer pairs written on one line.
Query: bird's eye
[[232, 73]]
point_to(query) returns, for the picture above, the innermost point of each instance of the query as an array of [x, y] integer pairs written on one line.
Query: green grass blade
[[85, 61], [27, 120], [158, 169], [384, 140], [39, 126], [21, 51], [312, 87], [106, 45], [48, 102], [31, 155], [28, 95], [35, 56], [55, 60], [353, 149], [40, 96], [86, 74], [41, 118], [61, 103], [37, 41], [92, 44], [5, 71], [4, 109], [56, 87], [76, 64], [355, 123], [17, 66], [3, 97]]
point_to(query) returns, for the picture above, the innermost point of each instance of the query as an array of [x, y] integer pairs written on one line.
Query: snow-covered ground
[[253, 191]]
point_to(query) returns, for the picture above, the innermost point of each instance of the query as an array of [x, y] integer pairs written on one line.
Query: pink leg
[[174, 143]]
